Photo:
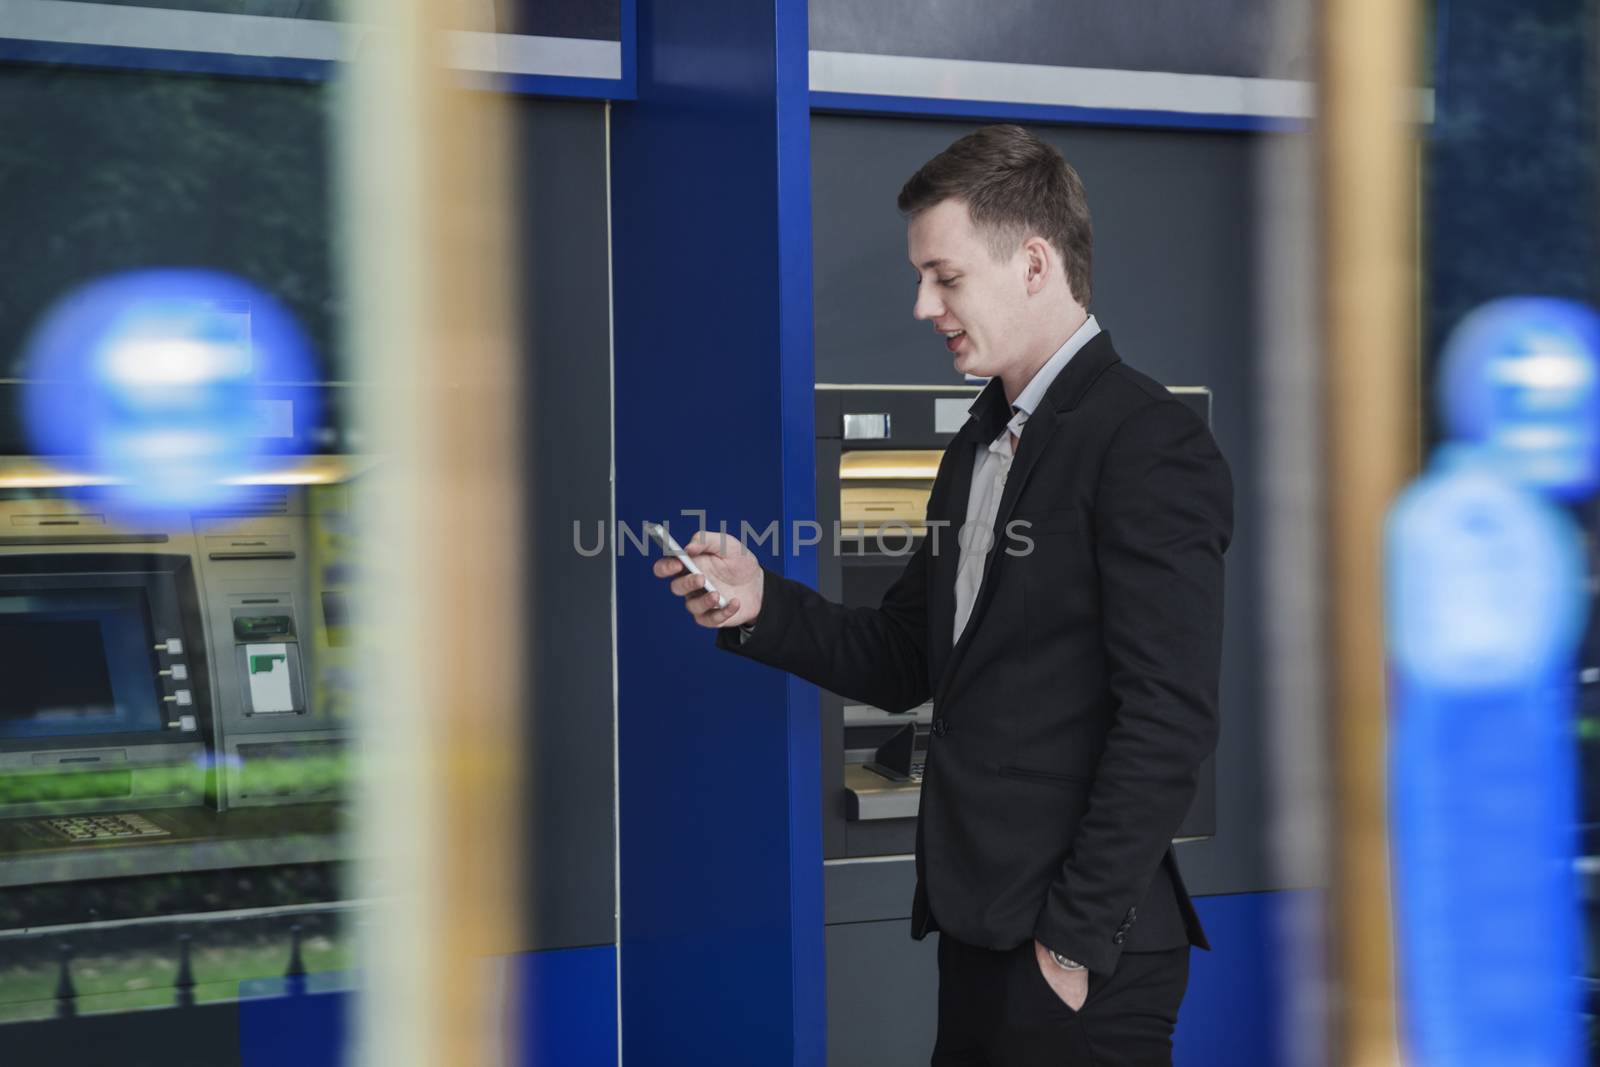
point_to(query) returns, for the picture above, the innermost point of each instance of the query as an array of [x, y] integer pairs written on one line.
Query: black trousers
[[997, 1010]]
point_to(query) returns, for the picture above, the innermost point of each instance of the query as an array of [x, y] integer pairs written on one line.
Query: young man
[[1069, 638]]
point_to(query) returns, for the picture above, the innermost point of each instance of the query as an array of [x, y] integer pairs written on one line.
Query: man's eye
[[948, 283]]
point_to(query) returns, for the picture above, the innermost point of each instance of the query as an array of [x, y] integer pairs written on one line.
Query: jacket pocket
[[1056, 777], [1063, 520]]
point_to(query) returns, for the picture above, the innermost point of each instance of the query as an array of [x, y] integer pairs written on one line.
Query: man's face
[[965, 292]]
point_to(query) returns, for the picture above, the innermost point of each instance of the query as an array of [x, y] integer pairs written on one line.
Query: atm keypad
[[104, 827]]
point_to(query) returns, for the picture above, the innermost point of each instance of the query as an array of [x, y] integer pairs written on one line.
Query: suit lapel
[[953, 512], [990, 412], [1064, 394]]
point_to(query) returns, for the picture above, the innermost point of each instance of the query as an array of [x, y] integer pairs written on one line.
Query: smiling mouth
[[953, 339]]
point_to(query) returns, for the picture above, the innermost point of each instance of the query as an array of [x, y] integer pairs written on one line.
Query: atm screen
[[76, 662]]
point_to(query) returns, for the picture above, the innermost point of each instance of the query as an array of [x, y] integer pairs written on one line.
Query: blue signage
[[1521, 377], [165, 387], [1485, 610]]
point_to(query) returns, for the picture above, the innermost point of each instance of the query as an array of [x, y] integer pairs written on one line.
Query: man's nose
[[927, 306]]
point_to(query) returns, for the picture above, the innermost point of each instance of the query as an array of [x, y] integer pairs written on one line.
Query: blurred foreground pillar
[[1369, 239], [427, 226]]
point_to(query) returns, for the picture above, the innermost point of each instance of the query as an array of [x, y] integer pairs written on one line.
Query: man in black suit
[[1069, 635]]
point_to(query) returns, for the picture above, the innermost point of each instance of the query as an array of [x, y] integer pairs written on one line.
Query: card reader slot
[[26, 541], [81, 518]]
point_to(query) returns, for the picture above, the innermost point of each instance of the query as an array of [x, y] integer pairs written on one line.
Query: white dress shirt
[[976, 537]]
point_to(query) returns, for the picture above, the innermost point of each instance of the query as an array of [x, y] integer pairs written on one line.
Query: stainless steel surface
[[867, 715], [875, 797], [950, 414], [866, 427]]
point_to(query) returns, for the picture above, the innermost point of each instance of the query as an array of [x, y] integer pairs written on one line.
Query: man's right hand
[[731, 568]]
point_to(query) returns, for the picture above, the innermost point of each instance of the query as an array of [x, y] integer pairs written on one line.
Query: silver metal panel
[[867, 715], [1033, 83], [135, 859], [866, 426], [225, 33], [950, 414], [875, 797]]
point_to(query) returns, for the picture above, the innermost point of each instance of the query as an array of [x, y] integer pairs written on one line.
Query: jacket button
[[941, 727]]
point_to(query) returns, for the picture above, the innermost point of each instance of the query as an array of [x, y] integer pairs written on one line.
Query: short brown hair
[[1013, 184]]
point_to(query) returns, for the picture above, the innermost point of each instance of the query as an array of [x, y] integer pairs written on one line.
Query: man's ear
[[1038, 262]]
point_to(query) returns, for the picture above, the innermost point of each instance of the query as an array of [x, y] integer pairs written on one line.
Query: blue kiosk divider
[[721, 859]]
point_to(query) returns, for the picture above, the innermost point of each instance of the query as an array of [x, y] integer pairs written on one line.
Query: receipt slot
[[269, 671]]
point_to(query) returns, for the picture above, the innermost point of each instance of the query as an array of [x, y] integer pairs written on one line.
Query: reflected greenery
[[107, 171], [297, 776]]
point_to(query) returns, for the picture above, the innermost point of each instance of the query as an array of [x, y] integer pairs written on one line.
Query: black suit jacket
[[1072, 716]]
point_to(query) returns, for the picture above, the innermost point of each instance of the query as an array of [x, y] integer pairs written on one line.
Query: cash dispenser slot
[[883, 489]]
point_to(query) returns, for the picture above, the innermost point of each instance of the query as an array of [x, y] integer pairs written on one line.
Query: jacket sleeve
[[1163, 518], [878, 656]]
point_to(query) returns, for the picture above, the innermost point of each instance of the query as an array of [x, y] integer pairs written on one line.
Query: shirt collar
[[990, 410], [1039, 384]]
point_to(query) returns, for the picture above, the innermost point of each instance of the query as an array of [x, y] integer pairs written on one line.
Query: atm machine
[[175, 692], [878, 450]]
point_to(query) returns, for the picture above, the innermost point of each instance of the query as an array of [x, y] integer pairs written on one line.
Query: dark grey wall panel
[[883, 995], [1243, 38], [869, 890], [571, 834], [598, 20], [1174, 267]]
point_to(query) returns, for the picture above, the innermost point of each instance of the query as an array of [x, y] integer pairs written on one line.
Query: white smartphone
[[658, 533]]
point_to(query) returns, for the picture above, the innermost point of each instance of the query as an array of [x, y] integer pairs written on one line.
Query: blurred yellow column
[[427, 224], [1369, 233]]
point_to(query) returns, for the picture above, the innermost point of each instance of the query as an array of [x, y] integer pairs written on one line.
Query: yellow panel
[[873, 505], [908, 465]]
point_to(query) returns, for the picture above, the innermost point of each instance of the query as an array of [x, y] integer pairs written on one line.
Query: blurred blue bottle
[[1484, 616], [169, 385], [1485, 612]]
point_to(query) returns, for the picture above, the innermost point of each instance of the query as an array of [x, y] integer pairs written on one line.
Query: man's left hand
[[1071, 986]]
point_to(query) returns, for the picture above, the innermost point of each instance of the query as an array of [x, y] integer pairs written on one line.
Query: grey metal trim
[[1030, 83], [167, 857], [826, 387], [866, 426], [616, 706], [559, 57], [874, 797], [319, 907], [122, 26], [929, 78], [867, 715]]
